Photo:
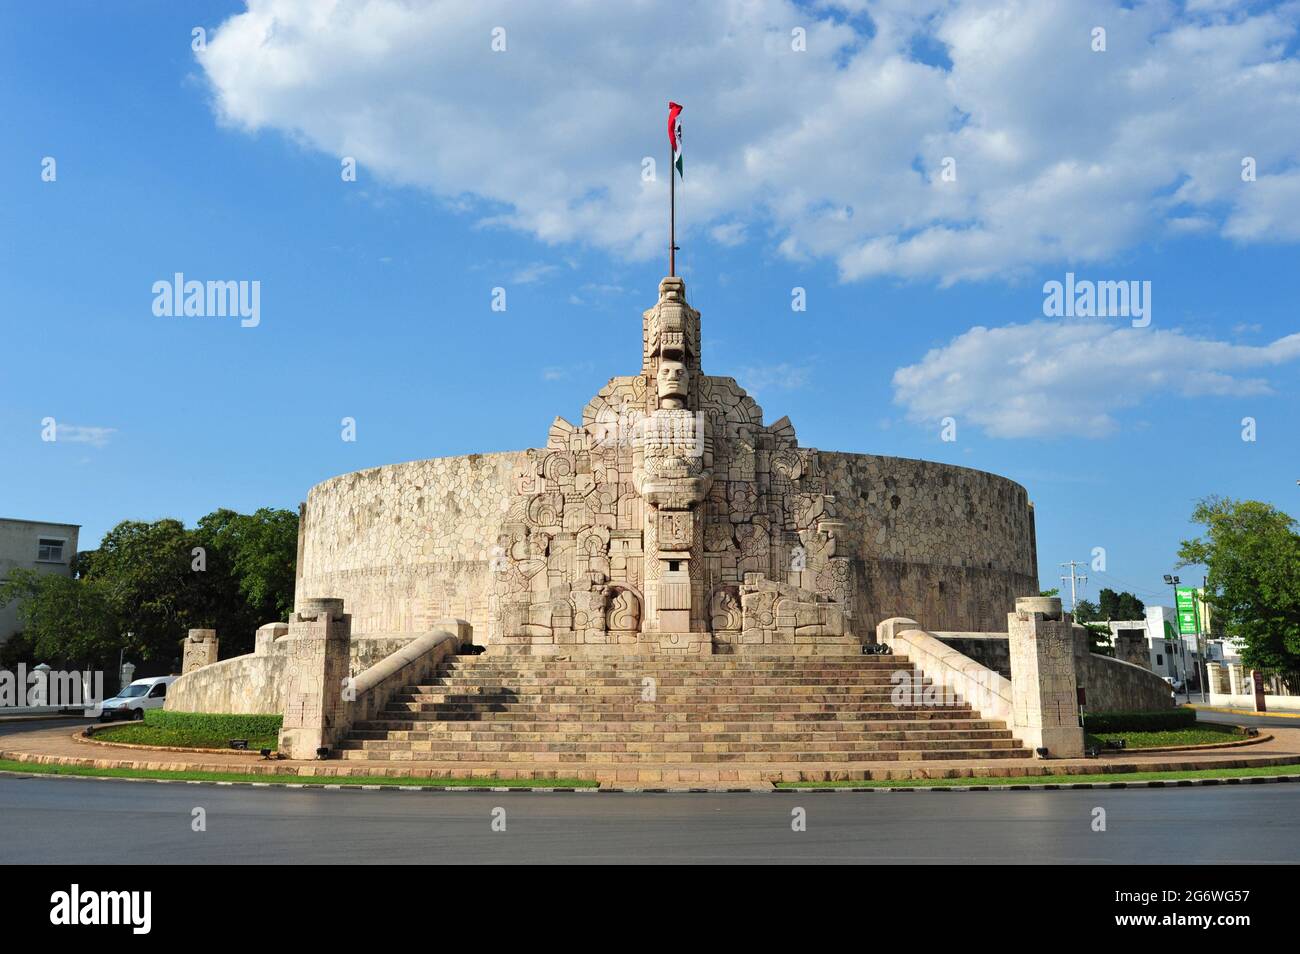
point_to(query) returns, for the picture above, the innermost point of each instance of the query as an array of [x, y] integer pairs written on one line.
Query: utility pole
[[1173, 582], [1074, 579], [1202, 641]]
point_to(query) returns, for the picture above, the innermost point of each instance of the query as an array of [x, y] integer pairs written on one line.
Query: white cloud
[[533, 273], [772, 377], [79, 434], [728, 234], [1267, 210], [833, 153], [1068, 378]]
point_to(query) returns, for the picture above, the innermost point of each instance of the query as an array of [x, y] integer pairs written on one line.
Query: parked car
[[131, 702], [1174, 684]]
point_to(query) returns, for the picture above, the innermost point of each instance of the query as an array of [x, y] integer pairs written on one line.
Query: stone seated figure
[[775, 612]]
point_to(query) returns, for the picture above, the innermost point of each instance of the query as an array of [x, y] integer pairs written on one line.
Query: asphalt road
[[32, 725], [79, 821]]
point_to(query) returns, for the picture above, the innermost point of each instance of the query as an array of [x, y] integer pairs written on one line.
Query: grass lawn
[[1203, 733], [30, 768], [189, 737], [1063, 780]]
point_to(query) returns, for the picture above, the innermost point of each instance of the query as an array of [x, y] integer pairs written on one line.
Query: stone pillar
[[672, 463], [317, 647], [127, 675], [1237, 680], [1257, 687], [1218, 679], [266, 636], [1045, 704], [1131, 647], [199, 650], [40, 691]]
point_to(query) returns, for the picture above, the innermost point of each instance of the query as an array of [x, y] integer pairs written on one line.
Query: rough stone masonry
[[671, 519]]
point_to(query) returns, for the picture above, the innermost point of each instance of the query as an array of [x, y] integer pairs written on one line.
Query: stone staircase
[[706, 711]]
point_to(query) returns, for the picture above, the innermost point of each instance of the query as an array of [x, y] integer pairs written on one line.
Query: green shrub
[[200, 730], [215, 724], [1164, 720]]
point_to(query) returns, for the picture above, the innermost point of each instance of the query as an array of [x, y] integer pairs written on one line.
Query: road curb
[[696, 790], [1060, 786]]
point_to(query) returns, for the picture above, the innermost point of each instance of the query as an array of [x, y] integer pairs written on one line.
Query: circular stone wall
[[407, 544]]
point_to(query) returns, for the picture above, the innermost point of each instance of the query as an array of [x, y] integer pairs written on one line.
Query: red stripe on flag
[[673, 110]]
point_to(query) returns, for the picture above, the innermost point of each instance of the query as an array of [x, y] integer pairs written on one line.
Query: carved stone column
[[317, 647], [200, 650], [672, 472], [1045, 703]]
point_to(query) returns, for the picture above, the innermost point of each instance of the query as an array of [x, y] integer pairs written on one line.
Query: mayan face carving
[[645, 521], [674, 384]]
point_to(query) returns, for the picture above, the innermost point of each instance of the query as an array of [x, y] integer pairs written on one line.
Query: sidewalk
[[1267, 714], [59, 747]]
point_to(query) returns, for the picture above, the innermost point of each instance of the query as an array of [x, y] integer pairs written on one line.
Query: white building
[[33, 545], [1168, 653]]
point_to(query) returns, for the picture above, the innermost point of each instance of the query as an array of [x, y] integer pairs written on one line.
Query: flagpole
[[672, 214]]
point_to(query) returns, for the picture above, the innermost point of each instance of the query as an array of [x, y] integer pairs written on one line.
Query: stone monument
[[668, 519], [672, 520]]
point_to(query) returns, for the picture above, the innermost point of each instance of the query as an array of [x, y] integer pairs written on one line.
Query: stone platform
[[57, 746]]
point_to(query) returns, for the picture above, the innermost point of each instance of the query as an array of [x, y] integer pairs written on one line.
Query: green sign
[[1189, 622]]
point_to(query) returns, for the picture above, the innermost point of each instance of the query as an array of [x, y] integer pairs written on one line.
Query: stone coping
[[56, 747], [1204, 746]]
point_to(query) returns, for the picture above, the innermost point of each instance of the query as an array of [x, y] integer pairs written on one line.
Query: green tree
[[263, 552], [252, 563], [157, 580], [144, 568], [1112, 605], [66, 621], [1252, 553], [1085, 611], [1099, 638]]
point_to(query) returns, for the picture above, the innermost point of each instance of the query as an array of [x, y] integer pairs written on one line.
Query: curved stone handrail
[[980, 687], [417, 660], [395, 662]]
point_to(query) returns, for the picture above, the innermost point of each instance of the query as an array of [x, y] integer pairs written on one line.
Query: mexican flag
[[675, 135]]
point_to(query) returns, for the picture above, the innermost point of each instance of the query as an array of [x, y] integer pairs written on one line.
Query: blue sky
[[523, 171]]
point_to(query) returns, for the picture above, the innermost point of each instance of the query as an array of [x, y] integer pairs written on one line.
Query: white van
[[131, 702]]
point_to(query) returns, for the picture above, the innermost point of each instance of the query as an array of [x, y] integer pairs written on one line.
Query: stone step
[[674, 756], [670, 736], [439, 746], [629, 679], [377, 728], [719, 709], [854, 720], [701, 695], [642, 711], [516, 666]]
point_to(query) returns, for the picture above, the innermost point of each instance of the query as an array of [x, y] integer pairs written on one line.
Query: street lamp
[[1173, 581]]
